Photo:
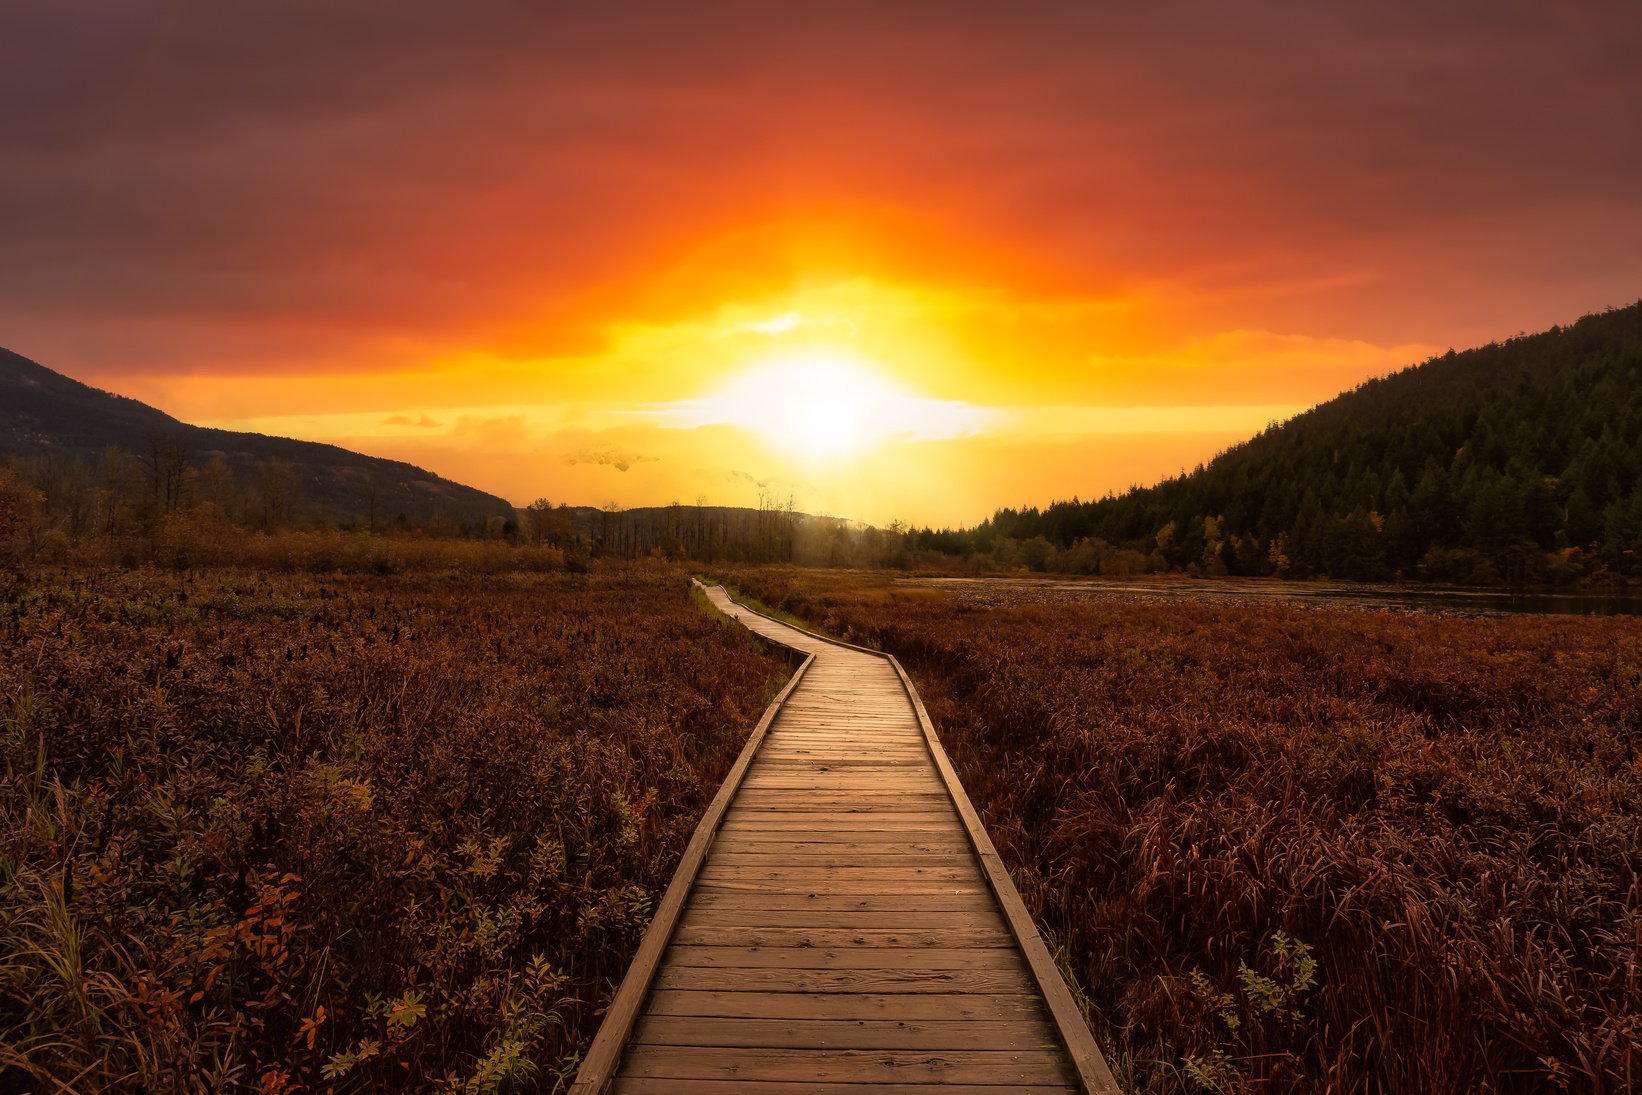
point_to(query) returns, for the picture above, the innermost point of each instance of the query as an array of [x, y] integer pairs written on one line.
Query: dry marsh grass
[[1302, 849], [290, 833]]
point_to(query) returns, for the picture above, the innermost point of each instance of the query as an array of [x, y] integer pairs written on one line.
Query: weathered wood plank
[[843, 958], [975, 918], [696, 934], [1012, 982], [815, 1033], [847, 887], [715, 872], [838, 841], [730, 858], [859, 816], [912, 804], [855, 1005], [844, 831], [972, 900], [846, 1066], [639, 1085]]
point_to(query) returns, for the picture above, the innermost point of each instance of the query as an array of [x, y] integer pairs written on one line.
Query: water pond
[[1468, 602]]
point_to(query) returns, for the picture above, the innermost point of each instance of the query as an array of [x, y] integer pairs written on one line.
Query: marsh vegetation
[[285, 832], [1300, 848]]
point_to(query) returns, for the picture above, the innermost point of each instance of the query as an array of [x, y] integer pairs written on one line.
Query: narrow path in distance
[[842, 933]]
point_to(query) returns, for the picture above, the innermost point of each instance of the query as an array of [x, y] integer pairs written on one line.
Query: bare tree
[[539, 521], [166, 463]]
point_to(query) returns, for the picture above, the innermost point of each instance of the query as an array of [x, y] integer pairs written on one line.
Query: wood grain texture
[[643, 1086], [844, 929], [978, 1066]]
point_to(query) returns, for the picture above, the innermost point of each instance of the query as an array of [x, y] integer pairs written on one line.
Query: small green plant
[[1213, 1071], [1274, 995], [1223, 1004]]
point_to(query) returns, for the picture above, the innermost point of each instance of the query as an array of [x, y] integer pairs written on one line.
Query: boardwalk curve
[[840, 921]]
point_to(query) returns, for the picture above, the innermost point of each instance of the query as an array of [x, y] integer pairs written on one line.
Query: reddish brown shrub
[[1446, 813]]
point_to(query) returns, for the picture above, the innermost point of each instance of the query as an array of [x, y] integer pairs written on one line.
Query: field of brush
[[1296, 849], [274, 832]]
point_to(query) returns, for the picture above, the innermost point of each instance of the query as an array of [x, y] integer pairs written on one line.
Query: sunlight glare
[[824, 404]]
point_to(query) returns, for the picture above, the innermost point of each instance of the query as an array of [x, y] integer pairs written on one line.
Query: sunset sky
[[904, 260]]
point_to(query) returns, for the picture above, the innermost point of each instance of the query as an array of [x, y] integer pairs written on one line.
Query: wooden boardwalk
[[841, 923]]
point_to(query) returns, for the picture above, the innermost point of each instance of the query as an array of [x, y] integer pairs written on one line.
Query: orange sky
[[903, 260]]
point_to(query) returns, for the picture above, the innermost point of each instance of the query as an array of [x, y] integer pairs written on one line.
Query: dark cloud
[[311, 172], [621, 461]]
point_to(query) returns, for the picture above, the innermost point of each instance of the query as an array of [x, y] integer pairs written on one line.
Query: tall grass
[[292, 833], [1302, 849]]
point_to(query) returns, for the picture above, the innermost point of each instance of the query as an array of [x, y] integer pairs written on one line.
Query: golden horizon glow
[[821, 402], [976, 397]]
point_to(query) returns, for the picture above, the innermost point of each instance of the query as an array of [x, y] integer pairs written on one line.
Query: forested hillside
[[1518, 462], [100, 457]]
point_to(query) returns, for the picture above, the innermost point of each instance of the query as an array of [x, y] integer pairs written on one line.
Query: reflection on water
[[1468, 602]]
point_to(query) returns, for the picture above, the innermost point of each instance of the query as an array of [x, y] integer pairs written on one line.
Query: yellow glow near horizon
[[865, 398], [822, 403]]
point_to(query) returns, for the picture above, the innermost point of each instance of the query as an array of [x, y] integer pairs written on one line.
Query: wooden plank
[[836, 828], [823, 773], [799, 780], [850, 725], [975, 919], [739, 846], [842, 836], [638, 1085], [881, 782], [927, 799], [730, 859], [764, 979], [859, 1005], [925, 839], [842, 958], [846, 749], [809, 936], [847, 831], [844, 885], [865, 817], [896, 903], [847, 1066], [821, 875], [909, 802], [810, 1033], [600, 1063], [844, 758]]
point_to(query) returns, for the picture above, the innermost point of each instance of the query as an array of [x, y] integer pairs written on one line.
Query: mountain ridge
[[47, 414]]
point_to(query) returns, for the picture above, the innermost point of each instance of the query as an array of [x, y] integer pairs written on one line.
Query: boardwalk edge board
[[598, 1068], [604, 1058], [1093, 1072]]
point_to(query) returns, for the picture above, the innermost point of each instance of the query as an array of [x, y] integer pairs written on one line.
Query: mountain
[[1518, 461], [44, 414]]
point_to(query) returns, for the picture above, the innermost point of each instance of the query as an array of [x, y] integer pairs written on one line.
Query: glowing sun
[[825, 404]]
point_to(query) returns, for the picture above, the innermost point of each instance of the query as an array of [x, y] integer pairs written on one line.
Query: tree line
[[1516, 463], [170, 506]]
